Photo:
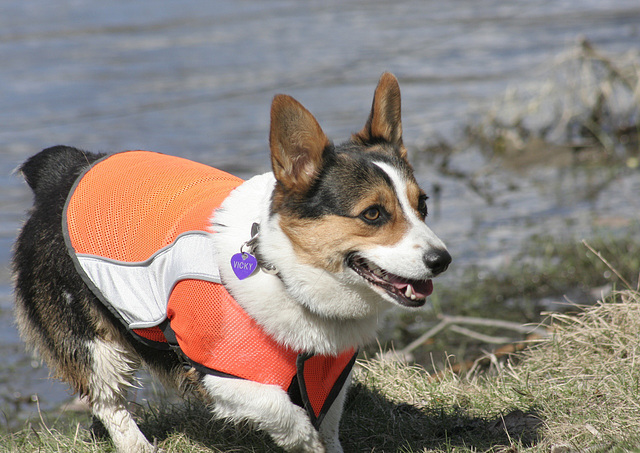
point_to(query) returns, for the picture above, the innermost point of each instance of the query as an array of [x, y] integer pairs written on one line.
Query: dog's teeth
[[409, 292]]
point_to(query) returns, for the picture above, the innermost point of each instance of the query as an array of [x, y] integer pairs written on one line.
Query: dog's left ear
[[384, 121], [297, 144]]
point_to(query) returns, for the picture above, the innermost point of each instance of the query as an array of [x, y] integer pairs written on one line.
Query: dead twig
[[480, 336], [452, 322], [603, 259]]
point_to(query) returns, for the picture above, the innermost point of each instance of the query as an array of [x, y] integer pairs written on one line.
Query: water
[[196, 78]]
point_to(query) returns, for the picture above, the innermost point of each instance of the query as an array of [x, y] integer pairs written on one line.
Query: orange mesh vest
[[137, 227]]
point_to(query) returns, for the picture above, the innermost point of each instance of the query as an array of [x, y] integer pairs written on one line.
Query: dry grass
[[578, 390], [586, 378]]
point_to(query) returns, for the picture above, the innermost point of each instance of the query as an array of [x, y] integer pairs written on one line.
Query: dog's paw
[[308, 442], [311, 445], [297, 435]]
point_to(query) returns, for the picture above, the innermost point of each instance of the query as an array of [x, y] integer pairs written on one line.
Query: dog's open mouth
[[410, 293]]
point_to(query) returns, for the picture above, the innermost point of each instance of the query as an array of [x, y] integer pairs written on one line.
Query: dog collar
[[248, 260]]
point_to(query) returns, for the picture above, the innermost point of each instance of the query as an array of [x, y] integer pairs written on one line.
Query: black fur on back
[[56, 312], [55, 166], [51, 297]]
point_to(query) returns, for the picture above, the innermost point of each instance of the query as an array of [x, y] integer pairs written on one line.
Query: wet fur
[[310, 210]]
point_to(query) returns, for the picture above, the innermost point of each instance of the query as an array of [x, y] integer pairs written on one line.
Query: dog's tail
[[51, 168]]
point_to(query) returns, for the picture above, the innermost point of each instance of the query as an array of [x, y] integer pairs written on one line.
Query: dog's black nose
[[438, 261]]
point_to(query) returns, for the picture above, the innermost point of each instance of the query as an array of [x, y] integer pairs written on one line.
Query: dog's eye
[[373, 215], [422, 205]]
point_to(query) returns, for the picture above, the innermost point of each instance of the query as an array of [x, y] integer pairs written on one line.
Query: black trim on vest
[[161, 345], [294, 392], [169, 334], [331, 397], [206, 370]]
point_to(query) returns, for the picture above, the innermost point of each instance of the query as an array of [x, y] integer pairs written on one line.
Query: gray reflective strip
[[140, 291]]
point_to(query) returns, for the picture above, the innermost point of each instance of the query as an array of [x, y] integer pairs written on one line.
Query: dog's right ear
[[297, 144]]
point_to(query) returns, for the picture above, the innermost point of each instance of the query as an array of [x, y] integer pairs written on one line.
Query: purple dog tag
[[243, 265]]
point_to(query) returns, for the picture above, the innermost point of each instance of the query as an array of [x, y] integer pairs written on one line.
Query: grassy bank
[[578, 390], [550, 275]]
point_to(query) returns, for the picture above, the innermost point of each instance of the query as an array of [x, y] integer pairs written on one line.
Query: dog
[[253, 295]]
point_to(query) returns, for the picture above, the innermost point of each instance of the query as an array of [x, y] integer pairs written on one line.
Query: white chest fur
[[304, 307]]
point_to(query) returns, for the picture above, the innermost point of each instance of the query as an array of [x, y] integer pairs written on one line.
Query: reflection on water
[[196, 78]]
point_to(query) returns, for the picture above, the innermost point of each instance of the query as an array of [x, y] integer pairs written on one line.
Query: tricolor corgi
[[255, 295]]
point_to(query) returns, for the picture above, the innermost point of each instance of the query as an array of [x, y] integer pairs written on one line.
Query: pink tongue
[[421, 288]]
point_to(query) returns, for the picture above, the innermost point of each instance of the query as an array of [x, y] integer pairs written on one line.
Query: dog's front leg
[[268, 408]]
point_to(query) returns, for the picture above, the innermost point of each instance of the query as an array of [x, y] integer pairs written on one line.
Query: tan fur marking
[[325, 242]]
